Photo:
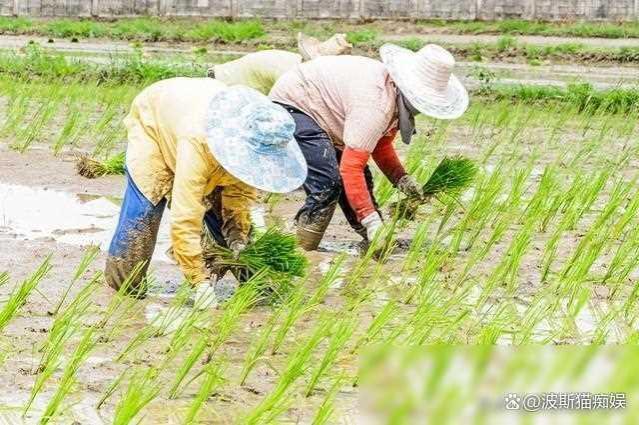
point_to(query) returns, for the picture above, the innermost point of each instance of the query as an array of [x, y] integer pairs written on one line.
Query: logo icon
[[512, 401]]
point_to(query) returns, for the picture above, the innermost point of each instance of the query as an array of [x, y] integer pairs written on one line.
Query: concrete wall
[[611, 10]]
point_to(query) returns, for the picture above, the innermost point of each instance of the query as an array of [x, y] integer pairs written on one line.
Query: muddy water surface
[[37, 213]]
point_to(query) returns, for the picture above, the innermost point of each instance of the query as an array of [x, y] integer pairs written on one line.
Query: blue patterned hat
[[252, 138]]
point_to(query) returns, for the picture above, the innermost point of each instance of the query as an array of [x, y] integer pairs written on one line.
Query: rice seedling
[[184, 331], [112, 387], [451, 176], [109, 140], [70, 130], [295, 309], [211, 339], [434, 260], [89, 256], [189, 362], [593, 242], [296, 306], [144, 386], [326, 410], [273, 253], [341, 335], [214, 376], [21, 292], [17, 108], [484, 197], [382, 319], [121, 306], [275, 402], [69, 376], [255, 354], [92, 168], [41, 117], [66, 325], [162, 323], [414, 255]]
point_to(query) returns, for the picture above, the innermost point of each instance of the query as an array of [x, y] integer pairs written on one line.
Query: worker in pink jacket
[[348, 109]]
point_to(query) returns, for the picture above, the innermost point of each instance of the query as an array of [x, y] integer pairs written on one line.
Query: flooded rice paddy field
[[541, 249]]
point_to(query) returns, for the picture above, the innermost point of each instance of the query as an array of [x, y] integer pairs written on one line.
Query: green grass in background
[[629, 29], [217, 30], [141, 29], [364, 36]]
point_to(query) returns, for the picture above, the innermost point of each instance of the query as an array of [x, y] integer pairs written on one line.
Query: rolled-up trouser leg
[[134, 241], [348, 211], [323, 183]]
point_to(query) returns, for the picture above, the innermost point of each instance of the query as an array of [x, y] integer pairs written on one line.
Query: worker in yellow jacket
[[260, 70], [193, 139]]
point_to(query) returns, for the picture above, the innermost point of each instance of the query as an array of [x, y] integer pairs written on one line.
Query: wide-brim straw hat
[[252, 138], [426, 79], [311, 47]]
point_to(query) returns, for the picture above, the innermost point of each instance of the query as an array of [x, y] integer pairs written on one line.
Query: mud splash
[[37, 213]]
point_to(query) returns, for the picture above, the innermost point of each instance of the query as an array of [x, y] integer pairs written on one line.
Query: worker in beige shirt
[[193, 139], [348, 109]]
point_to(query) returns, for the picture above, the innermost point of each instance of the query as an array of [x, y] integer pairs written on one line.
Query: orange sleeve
[[385, 156], [352, 171]]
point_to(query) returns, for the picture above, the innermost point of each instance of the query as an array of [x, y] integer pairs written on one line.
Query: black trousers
[[323, 185]]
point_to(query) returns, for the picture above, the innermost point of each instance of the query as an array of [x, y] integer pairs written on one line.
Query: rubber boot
[[310, 229], [119, 272]]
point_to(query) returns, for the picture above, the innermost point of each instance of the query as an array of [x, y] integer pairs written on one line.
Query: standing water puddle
[[35, 213]]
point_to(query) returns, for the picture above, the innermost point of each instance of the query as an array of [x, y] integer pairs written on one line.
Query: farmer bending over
[[260, 70], [196, 141], [349, 108]]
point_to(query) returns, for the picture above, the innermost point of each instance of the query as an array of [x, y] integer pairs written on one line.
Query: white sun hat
[[253, 139], [426, 79]]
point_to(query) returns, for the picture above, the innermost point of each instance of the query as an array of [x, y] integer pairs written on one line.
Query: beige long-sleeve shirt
[[167, 152], [352, 98]]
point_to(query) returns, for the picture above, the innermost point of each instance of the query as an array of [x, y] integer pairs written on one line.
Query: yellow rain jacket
[[258, 70], [167, 155]]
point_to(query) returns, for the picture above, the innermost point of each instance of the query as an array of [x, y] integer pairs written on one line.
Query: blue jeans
[[135, 237]]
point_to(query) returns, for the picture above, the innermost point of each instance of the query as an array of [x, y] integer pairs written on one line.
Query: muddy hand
[[409, 187], [237, 247]]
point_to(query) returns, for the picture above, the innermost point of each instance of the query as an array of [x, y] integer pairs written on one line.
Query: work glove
[[203, 296], [409, 187], [237, 247], [373, 224]]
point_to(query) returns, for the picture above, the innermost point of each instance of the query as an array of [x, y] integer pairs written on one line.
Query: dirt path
[[528, 39], [105, 46], [601, 77]]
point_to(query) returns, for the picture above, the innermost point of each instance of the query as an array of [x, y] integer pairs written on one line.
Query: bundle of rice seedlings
[[273, 252], [451, 176], [92, 168]]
